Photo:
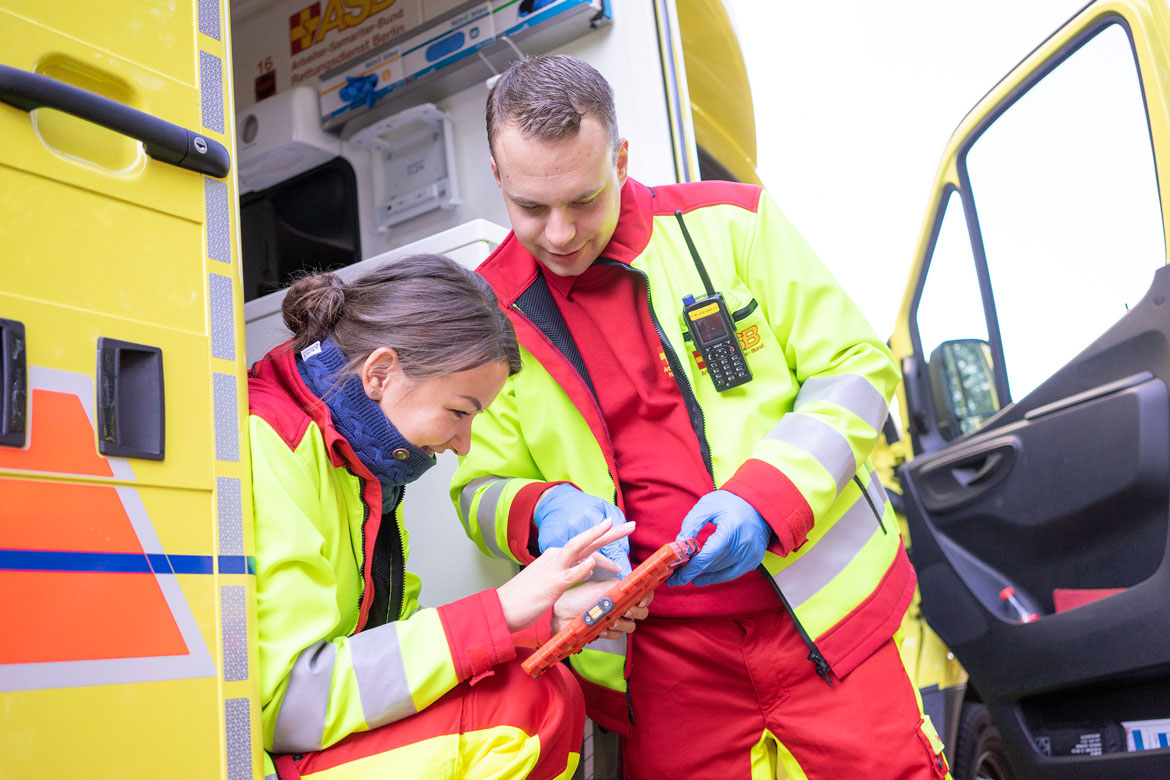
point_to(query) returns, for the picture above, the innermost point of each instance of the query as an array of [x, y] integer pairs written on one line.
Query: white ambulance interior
[[410, 174]]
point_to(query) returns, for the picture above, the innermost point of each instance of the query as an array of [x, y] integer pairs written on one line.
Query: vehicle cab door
[[1034, 340]]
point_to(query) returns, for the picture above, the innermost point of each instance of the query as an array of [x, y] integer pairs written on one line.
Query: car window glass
[[1064, 187], [950, 306]]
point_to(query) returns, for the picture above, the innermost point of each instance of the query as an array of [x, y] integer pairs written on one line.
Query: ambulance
[[1033, 456], [167, 167]]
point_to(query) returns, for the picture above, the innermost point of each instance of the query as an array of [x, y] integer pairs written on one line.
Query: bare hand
[[582, 597], [530, 593]]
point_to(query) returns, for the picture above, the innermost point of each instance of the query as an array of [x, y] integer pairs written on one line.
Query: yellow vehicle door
[[126, 583], [1034, 341]]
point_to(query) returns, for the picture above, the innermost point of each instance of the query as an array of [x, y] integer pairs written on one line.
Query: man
[[774, 644]]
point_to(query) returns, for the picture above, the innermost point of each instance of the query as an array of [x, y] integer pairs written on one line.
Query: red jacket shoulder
[[689, 196]]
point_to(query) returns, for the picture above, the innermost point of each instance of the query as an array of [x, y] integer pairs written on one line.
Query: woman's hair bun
[[312, 306]]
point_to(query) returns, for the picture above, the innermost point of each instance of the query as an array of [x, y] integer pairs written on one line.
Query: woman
[[356, 679]]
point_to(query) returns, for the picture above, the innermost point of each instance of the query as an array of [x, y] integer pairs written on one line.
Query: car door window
[[950, 306], [1066, 196]]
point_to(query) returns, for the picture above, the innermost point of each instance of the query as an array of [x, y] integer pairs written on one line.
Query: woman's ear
[[378, 371]]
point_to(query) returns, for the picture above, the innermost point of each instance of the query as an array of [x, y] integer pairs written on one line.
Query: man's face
[[563, 197]]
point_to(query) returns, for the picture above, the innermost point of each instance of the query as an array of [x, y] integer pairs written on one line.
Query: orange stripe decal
[[64, 516], [55, 445], [76, 616]]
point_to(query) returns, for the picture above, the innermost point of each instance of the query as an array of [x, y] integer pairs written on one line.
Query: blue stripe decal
[[237, 564], [192, 564], [1137, 740], [123, 563], [59, 560], [159, 563]]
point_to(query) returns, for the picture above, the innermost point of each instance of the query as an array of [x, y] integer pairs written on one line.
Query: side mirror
[[962, 382]]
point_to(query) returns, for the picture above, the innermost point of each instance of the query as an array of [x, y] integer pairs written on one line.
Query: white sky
[[855, 101]]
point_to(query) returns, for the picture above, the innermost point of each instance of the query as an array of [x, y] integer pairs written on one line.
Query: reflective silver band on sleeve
[[849, 391], [828, 557], [381, 675], [611, 646], [820, 440], [300, 723], [486, 514], [467, 495]]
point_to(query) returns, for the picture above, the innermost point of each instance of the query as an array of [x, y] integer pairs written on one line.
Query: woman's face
[[432, 414]]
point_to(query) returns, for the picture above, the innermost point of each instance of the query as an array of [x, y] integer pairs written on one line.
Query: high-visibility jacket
[[809, 418], [329, 668]]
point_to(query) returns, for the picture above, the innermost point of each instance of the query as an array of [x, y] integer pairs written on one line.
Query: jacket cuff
[[477, 634], [536, 634], [521, 531], [778, 501]]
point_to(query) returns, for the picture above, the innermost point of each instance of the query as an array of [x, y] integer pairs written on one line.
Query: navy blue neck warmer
[[379, 445]]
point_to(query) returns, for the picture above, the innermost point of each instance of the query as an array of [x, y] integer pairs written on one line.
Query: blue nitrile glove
[[737, 546], [564, 511]]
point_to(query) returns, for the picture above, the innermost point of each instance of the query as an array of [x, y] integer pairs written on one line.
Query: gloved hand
[[736, 547], [564, 511]]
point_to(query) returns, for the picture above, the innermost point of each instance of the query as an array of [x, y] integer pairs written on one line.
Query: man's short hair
[[546, 97]]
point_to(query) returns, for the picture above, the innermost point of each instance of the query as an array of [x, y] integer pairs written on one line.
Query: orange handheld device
[[605, 612]]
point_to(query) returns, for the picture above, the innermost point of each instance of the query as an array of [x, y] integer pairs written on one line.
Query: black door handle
[[162, 140], [131, 407], [13, 384]]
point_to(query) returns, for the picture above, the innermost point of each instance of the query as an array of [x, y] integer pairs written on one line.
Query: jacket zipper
[[814, 652], [613, 477], [592, 397], [397, 563], [868, 500], [365, 519], [694, 411], [815, 656]]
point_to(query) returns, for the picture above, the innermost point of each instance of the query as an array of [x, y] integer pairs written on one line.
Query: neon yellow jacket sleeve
[[319, 681]]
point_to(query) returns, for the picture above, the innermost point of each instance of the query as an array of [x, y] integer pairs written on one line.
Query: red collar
[[274, 380]]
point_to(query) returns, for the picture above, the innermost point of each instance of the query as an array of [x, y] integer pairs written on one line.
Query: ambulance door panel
[[1035, 348], [126, 568]]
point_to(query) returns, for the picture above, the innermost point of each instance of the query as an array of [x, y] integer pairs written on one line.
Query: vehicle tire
[[979, 752]]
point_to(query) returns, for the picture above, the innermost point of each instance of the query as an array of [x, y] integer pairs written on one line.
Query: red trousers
[[506, 725], [732, 698]]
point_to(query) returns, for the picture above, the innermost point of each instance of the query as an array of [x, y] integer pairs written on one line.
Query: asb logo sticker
[[309, 26], [302, 26]]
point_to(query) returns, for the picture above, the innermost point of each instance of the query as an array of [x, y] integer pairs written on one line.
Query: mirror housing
[[962, 383]]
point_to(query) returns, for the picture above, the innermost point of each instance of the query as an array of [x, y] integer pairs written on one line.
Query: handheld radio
[[712, 329]]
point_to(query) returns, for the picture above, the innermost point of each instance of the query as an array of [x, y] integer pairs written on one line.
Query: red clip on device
[[587, 626]]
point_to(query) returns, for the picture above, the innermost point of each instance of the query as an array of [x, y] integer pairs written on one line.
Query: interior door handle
[[956, 479], [165, 142], [972, 473]]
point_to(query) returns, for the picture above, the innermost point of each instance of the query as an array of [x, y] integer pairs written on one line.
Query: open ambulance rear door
[[126, 583], [1034, 341]]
